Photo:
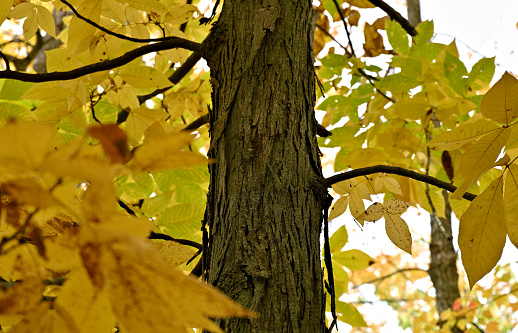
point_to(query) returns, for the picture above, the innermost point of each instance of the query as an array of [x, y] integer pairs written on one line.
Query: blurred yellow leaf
[[500, 103], [5, 9], [174, 253], [165, 153], [27, 191], [148, 295], [482, 232], [24, 143], [21, 297]]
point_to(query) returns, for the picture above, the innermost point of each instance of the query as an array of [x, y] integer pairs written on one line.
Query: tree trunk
[[414, 12], [265, 201], [443, 265]]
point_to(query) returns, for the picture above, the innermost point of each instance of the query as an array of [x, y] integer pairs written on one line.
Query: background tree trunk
[[264, 207]]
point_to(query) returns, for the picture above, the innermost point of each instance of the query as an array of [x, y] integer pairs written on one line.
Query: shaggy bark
[[264, 209]]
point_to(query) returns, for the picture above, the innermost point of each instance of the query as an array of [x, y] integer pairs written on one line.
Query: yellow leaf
[[80, 35], [138, 28], [396, 206], [500, 103], [127, 98], [21, 297], [360, 3], [345, 186], [21, 10], [511, 203], [398, 232], [46, 319], [482, 232], [90, 309], [46, 91], [24, 144], [5, 9], [27, 191], [144, 77], [114, 10], [461, 135], [339, 207], [390, 184], [174, 253], [355, 260], [356, 205], [30, 25], [412, 108], [181, 14], [147, 5], [148, 295], [46, 20], [139, 120], [373, 213], [165, 153], [483, 154]]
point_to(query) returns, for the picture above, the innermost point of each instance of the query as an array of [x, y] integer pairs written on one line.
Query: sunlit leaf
[[338, 239], [511, 203], [354, 259], [461, 135], [339, 207], [373, 213], [482, 232], [398, 232], [396, 206], [500, 103]]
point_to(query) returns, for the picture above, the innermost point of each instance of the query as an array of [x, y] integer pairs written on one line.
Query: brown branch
[[156, 235], [109, 32], [328, 182], [339, 9], [197, 123], [394, 15], [104, 65]]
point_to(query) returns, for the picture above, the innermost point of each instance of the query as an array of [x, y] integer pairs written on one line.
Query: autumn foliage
[[89, 167]]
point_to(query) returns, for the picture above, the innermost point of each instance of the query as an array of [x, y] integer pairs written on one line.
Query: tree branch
[[394, 15], [109, 32], [381, 278], [396, 171], [105, 65]]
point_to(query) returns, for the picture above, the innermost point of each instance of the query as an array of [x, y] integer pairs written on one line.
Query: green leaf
[[424, 32], [398, 83], [145, 183], [350, 315], [338, 240], [157, 204], [13, 89], [397, 37], [481, 74]]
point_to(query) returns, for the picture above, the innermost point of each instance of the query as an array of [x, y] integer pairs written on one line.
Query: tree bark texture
[[414, 12], [265, 200], [443, 265]]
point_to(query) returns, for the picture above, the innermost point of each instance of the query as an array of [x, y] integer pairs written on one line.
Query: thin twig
[[400, 271], [396, 171], [7, 67], [339, 9]]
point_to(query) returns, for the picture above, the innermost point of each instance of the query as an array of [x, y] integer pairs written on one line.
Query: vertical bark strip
[[265, 200], [443, 264]]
